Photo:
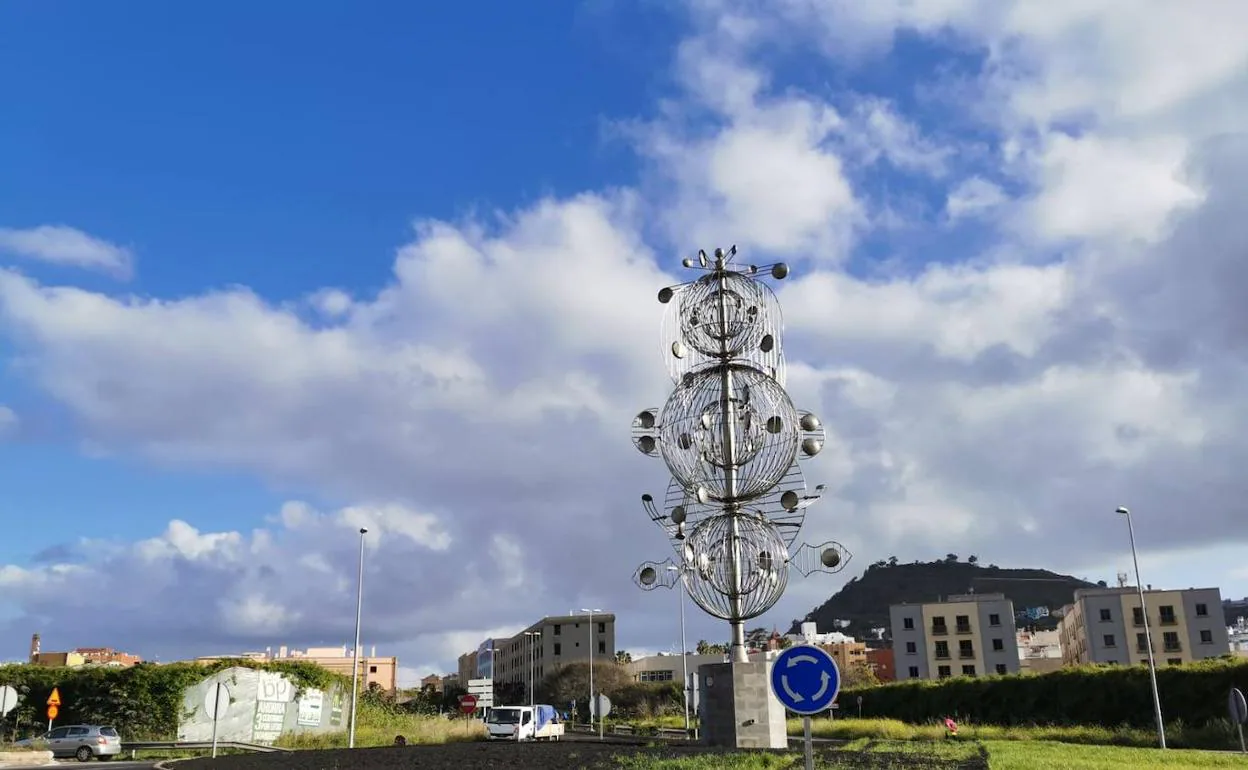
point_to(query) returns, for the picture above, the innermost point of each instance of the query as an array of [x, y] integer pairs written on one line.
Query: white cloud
[[8, 421], [474, 412], [61, 245]]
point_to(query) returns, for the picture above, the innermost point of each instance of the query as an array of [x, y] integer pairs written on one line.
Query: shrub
[[1110, 696]]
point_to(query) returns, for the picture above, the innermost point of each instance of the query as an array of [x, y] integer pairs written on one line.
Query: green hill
[[864, 601]]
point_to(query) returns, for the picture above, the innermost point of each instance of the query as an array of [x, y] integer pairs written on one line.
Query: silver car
[[79, 741]]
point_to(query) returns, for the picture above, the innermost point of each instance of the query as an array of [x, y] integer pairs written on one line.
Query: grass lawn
[[951, 755], [377, 726]]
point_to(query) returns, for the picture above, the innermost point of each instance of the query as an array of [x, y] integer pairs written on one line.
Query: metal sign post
[[806, 681], [1238, 709]]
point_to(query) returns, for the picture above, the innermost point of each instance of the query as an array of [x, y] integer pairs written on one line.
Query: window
[[557, 630], [1108, 640], [1002, 669], [943, 672], [994, 619], [75, 731], [1137, 616], [1202, 610], [966, 649], [998, 645], [655, 676], [1170, 641], [942, 650], [59, 732], [963, 623], [908, 624], [1141, 643], [1167, 615], [914, 672], [558, 648], [968, 671], [602, 628], [110, 732], [372, 669], [1106, 616], [602, 648], [911, 648], [1206, 637], [938, 625]]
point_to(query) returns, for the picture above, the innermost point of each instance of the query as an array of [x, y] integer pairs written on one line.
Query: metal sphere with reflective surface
[[736, 556], [750, 428]]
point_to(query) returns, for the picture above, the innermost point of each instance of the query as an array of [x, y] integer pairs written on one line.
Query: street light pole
[[355, 653], [592, 704], [533, 637], [1148, 639], [684, 648]]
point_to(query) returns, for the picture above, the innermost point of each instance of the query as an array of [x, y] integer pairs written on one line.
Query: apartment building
[[552, 641], [882, 663], [1039, 652], [965, 635], [381, 671], [845, 649], [1238, 636], [82, 656], [1106, 625], [468, 666]]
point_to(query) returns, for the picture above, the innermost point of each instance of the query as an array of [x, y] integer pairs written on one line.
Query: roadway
[[116, 763]]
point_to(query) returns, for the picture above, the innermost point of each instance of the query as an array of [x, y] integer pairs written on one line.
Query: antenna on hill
[[1122, 579]]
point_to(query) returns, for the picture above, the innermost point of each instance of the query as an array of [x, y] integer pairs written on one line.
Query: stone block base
[[737, 709]]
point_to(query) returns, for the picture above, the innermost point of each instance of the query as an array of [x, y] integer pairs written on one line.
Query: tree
[[951, 558], [623, 656], [972, 559], [892, 561], [859, 675], [571, 683], [703, 647]]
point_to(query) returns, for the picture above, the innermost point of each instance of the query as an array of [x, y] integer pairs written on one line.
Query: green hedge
[[143, 702], [1195, 693]]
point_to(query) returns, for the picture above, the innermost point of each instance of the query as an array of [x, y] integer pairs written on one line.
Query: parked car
[[79, 741]]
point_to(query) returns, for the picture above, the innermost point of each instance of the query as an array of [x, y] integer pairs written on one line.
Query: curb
[[26, 758]]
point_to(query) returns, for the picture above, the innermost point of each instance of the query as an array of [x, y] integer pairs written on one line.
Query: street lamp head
[[363, 530], [1123, 511]]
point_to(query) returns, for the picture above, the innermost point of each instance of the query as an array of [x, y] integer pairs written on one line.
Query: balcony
[[966, 654], [1169, 620], [942, 655], [1142, 649], [940, 630], [1172, 647], [964, 628]]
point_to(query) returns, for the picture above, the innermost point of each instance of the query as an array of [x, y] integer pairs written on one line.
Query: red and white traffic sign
[[467, 703]]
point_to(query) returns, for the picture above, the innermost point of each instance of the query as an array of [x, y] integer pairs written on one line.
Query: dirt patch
[[562, 755]]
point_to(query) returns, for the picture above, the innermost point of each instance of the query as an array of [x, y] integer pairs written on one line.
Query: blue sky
[[329, 256]]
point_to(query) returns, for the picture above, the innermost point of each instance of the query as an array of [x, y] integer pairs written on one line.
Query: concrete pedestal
[[737, 709]]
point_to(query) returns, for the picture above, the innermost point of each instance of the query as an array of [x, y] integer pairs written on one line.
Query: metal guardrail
[[136, 746]]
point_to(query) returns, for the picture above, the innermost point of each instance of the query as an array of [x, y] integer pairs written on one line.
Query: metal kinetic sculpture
[[731, 437]]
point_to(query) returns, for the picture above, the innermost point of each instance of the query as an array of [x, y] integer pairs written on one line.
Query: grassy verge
[[378, 725], [1007, 755], [1215, 736]]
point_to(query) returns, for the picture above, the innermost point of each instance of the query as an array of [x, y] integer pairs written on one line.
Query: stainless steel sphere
[[763, 557]]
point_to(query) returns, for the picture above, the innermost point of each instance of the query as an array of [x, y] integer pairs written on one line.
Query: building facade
[[1039, 652], [468, 666], [967, 635], [669, 668], [845, 649], [552, 642], [1106, 625], [381, 671], [882, 663]]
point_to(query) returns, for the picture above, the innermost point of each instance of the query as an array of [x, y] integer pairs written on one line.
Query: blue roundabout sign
[[805, 679]]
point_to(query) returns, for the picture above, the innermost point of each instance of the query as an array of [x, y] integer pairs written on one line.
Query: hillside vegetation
[[864, 601]]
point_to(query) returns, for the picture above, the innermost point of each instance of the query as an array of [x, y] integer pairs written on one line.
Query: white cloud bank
[[61, 245]]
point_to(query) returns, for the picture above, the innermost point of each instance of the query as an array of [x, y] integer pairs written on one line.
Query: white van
[[523, 723]]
